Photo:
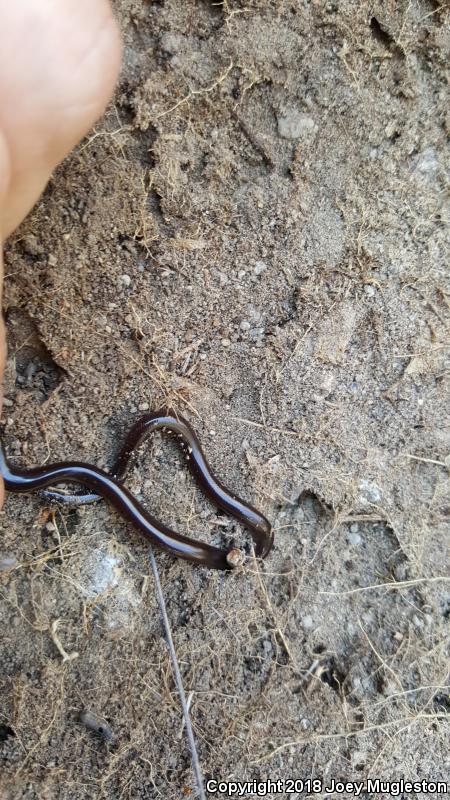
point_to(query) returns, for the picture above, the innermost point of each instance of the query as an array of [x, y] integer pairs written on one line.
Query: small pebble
[[353, 538], [143, 407], [359, 757], [370, 492], [307, 622], [7, 563], [125, 279], [225, 342], [32, 246], [293, 124], [50, 527], [259, 267], [245, 325]]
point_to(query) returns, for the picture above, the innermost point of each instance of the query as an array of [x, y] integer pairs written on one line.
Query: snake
[[109, 486]]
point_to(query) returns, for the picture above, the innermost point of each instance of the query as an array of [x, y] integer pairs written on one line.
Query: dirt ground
[[256, 234]]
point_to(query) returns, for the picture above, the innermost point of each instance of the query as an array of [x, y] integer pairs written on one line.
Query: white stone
[[259, 267], [293, 124], [370, 493]]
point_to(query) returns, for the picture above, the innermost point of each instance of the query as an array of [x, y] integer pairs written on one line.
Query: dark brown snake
[[109, 486]]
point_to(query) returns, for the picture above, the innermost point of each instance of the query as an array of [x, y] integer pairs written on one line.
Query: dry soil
[[255, 233]]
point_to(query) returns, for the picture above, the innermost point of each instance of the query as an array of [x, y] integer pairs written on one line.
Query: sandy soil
[[255, 233]]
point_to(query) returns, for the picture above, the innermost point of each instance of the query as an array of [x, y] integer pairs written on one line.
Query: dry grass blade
[[178, 679]]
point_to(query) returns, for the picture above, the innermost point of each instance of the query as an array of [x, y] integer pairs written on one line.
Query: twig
[[269, 429], [271, 611], [58, 644], [390, 585], [426, 460], [323, 737], [178, 679], [195, 92]]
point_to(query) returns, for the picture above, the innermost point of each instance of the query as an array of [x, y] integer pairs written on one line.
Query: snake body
[[108, 485]]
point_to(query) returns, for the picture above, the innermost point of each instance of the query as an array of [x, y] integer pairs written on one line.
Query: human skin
[[59, 61]]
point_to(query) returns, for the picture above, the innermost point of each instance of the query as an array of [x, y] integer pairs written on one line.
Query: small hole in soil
[[380, 34], [5, 732], [333, 678], [442, 702], [36, 370]]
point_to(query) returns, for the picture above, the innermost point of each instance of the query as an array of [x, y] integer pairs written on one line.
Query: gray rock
[[7, 562], [293, 124]]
